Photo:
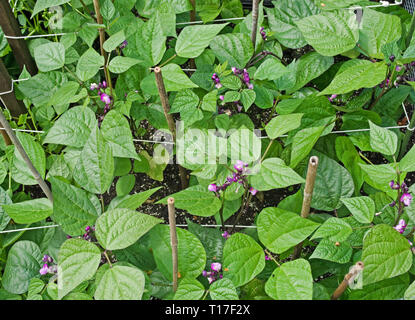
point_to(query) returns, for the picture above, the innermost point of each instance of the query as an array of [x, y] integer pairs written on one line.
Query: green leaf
[[95, 168], [125, 184], [196, 202], [332, 183], [19, 169], [89, 64], [389, 289], [193, 40], [407, 163], [121, 64], [282, 124], [328, 250], [121, 283], [334, 229], [331, 32], [356, 74], [291, 281], [73, 128], [273, 173], [73, 208], [386, 254], [236, 48], [270, 69], [209, 101], [282, 20], [64, 94], [303, 141], [362, 208], [247, 98], [410, 292], [223, 289], [77, 262], [189, 289], [49, 56], [41, 5], [29, 211], [379, 176], [23, 264], [174, 78], [383, 140], [191, 255], [185, 100], [231, 96], [107, 9], [116, 131], [280, 230], [243, 257], [114, 41], [376, 30], [120, 228], [4, 218], [133, 201]]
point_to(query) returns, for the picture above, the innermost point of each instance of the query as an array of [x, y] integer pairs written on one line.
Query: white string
[[37, 36], [12, 86], [32, 228]]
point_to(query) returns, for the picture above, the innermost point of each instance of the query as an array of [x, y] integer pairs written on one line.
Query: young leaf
[[303, 141], [89, 64]]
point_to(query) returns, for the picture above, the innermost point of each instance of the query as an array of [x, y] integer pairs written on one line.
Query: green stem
[[168, 60]]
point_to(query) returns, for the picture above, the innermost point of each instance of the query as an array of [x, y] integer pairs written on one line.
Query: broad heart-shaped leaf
[[23, 263], [383, 140], [121, 283], [236, 48], [77, 262], [223, 289], [332, 251], [49, 56], [389, 289], [280, 230], [332, 183], [73, 128], [19, 170], [29, 211], [132, 201], [95, 168], [274, 173], [243, 257], [334, 229], [376, 30], [4, 218], [355, 74], [114, 41], [73, 208], [44, 4], [270, 69], [303, 141], [121, 64], [282, 124], [89, 64], [193, 40], [282, 20], [330, 32], [386, 254], [116, 131], [184, 100], [292, 281], [196, 202], [120, 228], [362, 208], [189, 289], [191, 255]]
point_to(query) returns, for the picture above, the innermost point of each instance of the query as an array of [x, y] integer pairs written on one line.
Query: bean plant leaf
[[362, 208], [49, 56], [44, 4], [282, 124], [89, 64], [333, 229], [303, 142], [223, 289], [29, 211], [339, 252], [4, 200], [383, 140], [189, 289]]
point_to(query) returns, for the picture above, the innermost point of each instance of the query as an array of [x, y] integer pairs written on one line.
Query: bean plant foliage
[[316, 67]]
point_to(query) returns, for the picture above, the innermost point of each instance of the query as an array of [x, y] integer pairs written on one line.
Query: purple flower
[[47, 258], [205, 273], [394, 185], [253, 191], [400, 227], [44, 270], [103, 84], [267, 258], [333, 96], [123, 44], [263, 33], [398, 68], [216, 266], [93, 86], [392, 58], [239, 165], [392, 204], [221, 97], [406, 199], [226, 235], [105, 98], [218, 85], [211, 279], [213, 187], [87, 228]]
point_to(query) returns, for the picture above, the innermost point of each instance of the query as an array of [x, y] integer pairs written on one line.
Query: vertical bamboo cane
[[358, 267], [19, 47], [170, 121], [254, 32], [173, 239], [308, 192]]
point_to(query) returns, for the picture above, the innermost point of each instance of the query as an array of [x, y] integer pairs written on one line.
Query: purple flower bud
[[398, 68], [253, 191], [216, 266], [267, 258], [213, 187], [44, 270], [221, 97], [406, 199], [104, 84], [392, 58], [123, 44], [68, 237], [204, 273], [392, 204], [47, 258], [218, 85], [333, 96], [394, 185]]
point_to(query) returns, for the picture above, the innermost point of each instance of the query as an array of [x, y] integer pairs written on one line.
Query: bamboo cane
[[255, 4], [358, 267], [173, 240]]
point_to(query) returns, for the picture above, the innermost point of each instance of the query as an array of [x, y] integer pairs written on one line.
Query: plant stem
[[173, 240], [108, 259], [168, 60], [245, 203], [221, 212], [272, 258]]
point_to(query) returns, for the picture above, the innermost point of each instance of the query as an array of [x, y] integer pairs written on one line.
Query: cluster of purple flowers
[[245, 76], [263, 33], [105, 98], [401, 226], [216, 80], [88, 233], [406, 197], [214, 274], [239, 176], [46, 268]]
